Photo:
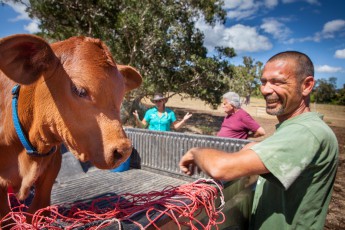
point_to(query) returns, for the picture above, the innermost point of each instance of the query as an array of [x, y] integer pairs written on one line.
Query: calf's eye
[[79, 91]]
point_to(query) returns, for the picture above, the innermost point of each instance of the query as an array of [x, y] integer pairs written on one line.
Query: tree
[[340, 96], [159, 38], [246, 77], [325, 90]]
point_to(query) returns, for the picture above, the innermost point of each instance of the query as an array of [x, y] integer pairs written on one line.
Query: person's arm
[[221, 165], [259, 132], [178, 124], [253, 125], [140, 123]]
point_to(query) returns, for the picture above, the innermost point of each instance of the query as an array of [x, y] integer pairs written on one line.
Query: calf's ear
[[131, 76], [24, 57]]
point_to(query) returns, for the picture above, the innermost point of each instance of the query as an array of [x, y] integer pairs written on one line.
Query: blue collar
[[31, 151]]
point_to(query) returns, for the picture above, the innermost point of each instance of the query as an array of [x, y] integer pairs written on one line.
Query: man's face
[[281, 89], [228, 108]]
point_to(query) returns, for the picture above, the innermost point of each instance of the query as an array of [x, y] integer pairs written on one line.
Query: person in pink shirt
[[237, 122]]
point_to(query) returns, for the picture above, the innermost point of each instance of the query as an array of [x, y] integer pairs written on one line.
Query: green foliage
[[324, 90], [158, 38], [340, 97], [246, 77]]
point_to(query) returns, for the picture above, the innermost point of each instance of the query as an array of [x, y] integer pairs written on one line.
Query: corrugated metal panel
[[162, 151], [100, 183]]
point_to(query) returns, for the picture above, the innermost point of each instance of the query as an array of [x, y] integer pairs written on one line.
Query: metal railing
[[162, 151]]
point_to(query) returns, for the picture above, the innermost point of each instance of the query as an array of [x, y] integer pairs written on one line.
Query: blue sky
[[258, 29]]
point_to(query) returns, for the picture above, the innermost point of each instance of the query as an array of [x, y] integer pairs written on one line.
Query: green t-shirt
[[302, 157]]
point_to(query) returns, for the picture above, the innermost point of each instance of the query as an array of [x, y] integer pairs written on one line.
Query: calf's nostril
[[117, 155]]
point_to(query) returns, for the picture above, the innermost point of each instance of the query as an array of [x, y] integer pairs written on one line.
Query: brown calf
[[71, 92]]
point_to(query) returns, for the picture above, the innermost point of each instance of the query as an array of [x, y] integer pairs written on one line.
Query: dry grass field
[[207, 121]]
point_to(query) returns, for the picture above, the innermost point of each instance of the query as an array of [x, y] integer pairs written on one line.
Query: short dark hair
[[304, 66]]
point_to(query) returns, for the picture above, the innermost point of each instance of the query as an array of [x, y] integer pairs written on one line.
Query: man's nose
[[266, 89]]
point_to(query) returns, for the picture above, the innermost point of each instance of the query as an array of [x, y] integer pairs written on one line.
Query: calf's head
[[72, 92]]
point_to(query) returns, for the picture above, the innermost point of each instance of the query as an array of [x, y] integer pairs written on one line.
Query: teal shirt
[[157, 123], [302, 157]]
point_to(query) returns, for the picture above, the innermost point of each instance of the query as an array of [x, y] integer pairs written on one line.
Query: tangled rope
[[182, 205]]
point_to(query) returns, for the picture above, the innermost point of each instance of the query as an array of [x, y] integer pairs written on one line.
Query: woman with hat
[[160, 118]]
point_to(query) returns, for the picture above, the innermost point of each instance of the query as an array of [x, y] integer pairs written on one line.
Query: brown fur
[[52, 113]]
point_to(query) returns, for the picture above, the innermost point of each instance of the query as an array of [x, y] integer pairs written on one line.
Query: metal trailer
[[154, 165]]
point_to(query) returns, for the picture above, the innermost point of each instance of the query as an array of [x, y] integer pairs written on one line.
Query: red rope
[[182, 205]]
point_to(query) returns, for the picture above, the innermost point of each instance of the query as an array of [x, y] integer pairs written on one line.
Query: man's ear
[[308, 85]]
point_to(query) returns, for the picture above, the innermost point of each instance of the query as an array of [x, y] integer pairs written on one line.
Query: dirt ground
[[207, 121]]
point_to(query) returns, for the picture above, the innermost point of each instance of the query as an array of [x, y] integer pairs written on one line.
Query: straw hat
[[157, 97]]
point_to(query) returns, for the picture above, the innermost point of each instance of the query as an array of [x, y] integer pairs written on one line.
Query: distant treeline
[[325, 92]]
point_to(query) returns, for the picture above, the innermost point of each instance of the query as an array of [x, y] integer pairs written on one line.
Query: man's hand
[[187, 164]]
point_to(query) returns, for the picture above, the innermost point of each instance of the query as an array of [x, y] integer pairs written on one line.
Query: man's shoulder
[[308, 119], [244, 115], [310, 122], [243, 112]]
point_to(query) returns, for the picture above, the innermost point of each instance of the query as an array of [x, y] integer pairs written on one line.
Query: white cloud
[[340, 53], [241, 4], [276, 28], [312, 2], [271, 3], [242, 9], [241, 38], [330, 30], [33, 25], [245, 9], [328, 69], [20, 9], [333, 26]]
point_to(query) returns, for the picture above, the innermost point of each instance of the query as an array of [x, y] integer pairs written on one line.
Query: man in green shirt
[[297, 164]]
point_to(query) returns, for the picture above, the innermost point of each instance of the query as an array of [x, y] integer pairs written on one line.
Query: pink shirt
[[238, 125]]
